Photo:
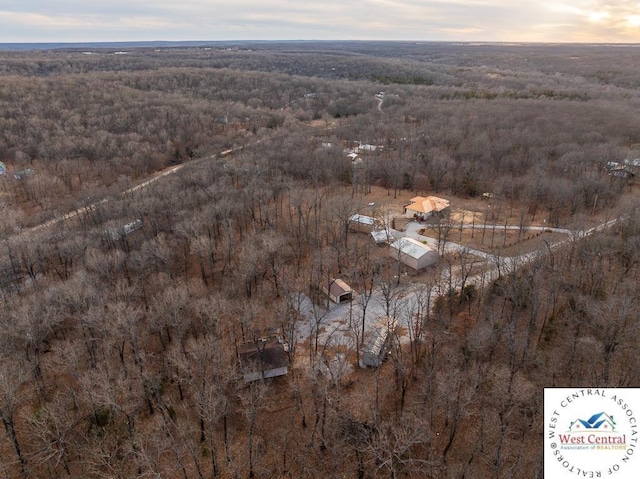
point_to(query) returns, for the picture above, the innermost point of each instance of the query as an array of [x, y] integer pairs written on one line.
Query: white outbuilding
[[386, 235], [413, 253], [362, 223]]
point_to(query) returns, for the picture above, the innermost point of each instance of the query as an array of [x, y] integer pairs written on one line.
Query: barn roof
[[412, 247], [362, 219], [384, 236]]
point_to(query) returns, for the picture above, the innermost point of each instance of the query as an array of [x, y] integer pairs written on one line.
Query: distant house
[[633, 163], [423, 207], [377, 346], [119, 233], [625, 170], [631, 167], [337, 290], [22, 174], [131, 227], [362, 223], [412, 253], [368, 148], [261, 359], [355, 158], [622, 171]]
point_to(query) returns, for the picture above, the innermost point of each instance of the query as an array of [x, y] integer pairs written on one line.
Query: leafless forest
[[121, 306]]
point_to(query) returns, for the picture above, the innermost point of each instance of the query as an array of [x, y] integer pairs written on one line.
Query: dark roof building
[[261, 359], [377, 347]]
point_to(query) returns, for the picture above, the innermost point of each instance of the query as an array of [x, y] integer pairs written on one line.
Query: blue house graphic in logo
[[600, 422]]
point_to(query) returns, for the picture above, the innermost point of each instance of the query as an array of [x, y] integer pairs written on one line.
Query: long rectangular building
[[413, 253]]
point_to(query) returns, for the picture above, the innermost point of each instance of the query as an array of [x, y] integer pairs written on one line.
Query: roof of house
[[268, 351], [412, 247], [632, 162], [428, 204], [368, 147], [385, 235], [19, 175], [338, 287], [362, 219], [621, 172]]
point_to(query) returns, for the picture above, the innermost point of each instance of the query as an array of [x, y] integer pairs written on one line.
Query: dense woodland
[[118, 347]]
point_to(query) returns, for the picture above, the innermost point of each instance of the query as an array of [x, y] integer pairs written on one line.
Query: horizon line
[[35, 45]]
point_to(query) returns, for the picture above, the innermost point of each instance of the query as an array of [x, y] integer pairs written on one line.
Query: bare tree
[[392, 448], [12, 379], [442, 227], [52, 435], [206, 371], [252, 399]]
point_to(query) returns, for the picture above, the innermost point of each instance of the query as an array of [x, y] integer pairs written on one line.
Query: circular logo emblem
[[591, 432]]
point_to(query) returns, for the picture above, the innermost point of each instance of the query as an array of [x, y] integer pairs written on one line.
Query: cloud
[[38, 27], [601, 20], [465, 31], [633, 20], [456, 20]]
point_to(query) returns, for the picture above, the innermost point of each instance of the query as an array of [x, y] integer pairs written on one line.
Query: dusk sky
[[426, 20]]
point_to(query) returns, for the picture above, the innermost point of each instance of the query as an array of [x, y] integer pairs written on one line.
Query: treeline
[[83, 133], [607, 68]]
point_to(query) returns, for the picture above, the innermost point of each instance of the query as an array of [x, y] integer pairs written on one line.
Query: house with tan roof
[[421, 207]]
